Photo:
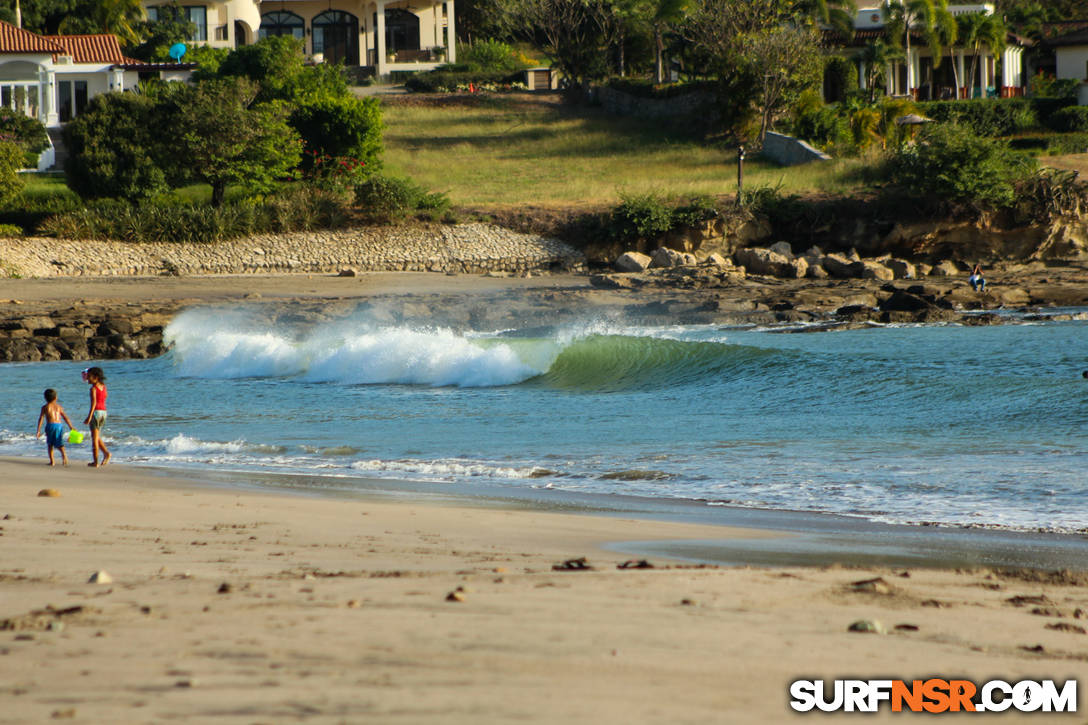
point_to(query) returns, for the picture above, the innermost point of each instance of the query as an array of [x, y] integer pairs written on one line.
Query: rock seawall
[[463, 248]]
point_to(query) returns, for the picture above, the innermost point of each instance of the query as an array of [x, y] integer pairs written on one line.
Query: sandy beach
[[243, 606]]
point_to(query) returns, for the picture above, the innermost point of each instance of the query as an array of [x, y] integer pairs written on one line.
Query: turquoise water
[[949, 424]]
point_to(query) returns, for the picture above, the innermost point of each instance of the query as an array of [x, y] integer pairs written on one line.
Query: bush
[[985, 116], [1042, 85], [1072, 119], [649, 216], [647, 89], [113, 148], [385, 199], [10, 230], [341, 127], [12, 157], [166, 220], [28, 133], [488, 55], [952, 163]]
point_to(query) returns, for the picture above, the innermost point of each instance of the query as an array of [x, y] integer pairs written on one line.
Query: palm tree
[[945, 34], [980, 31], [835, 14], [876, 56], [902, 16], [122, 18], [663, 13]]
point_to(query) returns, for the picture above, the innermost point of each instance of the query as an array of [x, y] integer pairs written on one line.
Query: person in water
[[52, 414], [977, 280], [96, 419]]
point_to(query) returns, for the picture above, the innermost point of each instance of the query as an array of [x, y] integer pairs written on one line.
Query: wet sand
[[247, 606]]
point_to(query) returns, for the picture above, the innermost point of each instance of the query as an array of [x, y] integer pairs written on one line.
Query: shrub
[[488, 55], [164, 220], [28, 133], [649, 216], [340, 127], [985, 116], [12, 157], [445, 81], [1043, 85], [113, 148], [10, 230], [952, 163], [647, 89], [385, 199], [1072, 119]]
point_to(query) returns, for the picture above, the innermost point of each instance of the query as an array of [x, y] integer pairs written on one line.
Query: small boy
[[52, 414]]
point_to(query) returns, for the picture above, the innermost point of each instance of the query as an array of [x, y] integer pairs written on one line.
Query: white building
[[1071, 56], [924, 77], [385, 36], [52, 77]]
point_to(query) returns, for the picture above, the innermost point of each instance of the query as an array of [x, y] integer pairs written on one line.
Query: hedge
[[647, 89], [440, 81], [1072, 119]]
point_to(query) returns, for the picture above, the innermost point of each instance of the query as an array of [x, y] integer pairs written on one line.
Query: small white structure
[[1071, 59], [386, 36], [52, 77]]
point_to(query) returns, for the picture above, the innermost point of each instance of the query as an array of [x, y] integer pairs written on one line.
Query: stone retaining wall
[[677, 107], [463, 248]]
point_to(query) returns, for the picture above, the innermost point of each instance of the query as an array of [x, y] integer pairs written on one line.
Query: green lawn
[[505, 151]]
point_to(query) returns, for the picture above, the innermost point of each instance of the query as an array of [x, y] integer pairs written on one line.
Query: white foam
[[227, 346]]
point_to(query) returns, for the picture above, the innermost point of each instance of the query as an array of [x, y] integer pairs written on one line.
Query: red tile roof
[[102, 48], [17, 40]]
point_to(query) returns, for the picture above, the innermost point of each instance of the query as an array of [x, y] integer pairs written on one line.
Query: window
[[153, 15], [281, 23], [336, 37], [198, 16]]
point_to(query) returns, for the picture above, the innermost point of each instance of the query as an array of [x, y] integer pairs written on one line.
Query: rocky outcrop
[[463, 248], [82, 333]]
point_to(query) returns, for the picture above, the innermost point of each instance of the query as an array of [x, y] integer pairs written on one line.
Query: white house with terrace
[[381, 36], [923, 77]]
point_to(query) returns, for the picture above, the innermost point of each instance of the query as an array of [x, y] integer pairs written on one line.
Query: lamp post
[[740, 175]]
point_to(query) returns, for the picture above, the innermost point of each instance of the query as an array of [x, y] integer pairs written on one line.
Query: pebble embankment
[[462, 248]]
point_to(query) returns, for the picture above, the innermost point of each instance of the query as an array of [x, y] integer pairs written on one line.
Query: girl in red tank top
[[96, 419]]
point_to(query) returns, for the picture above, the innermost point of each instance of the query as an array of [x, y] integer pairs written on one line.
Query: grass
[[40, 185], [505, 151]]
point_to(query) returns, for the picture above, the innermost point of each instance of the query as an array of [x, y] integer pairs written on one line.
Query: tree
[[114, 147], [576, 33], [905, 16], [836, 14], [877, 55], [789, 62], [223, 136], [761, 57], [123, 18], [172, 26], [980, 31], [12, 159], [946, 32], [660, 15]]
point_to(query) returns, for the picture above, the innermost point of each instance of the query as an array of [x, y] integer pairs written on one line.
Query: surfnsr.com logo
[[933, 695]]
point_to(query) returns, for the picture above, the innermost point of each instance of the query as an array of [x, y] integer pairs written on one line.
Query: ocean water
[[983, 426]]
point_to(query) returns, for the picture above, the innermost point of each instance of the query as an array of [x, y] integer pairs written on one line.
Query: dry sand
[[337, 612]]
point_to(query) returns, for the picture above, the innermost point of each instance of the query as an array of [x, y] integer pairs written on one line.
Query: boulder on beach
[[901, 268], [782, 248], [765, 262], [665, 258], [947, 268], [717, 260], [838, 265], [868, 269], [632, 262]]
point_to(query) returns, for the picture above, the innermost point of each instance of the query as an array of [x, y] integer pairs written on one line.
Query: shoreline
[[244, 606], [776, 537]]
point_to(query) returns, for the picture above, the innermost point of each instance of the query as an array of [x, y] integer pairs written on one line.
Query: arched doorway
[[241, 34], [401, 30], [282, 22], [336, 36]]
